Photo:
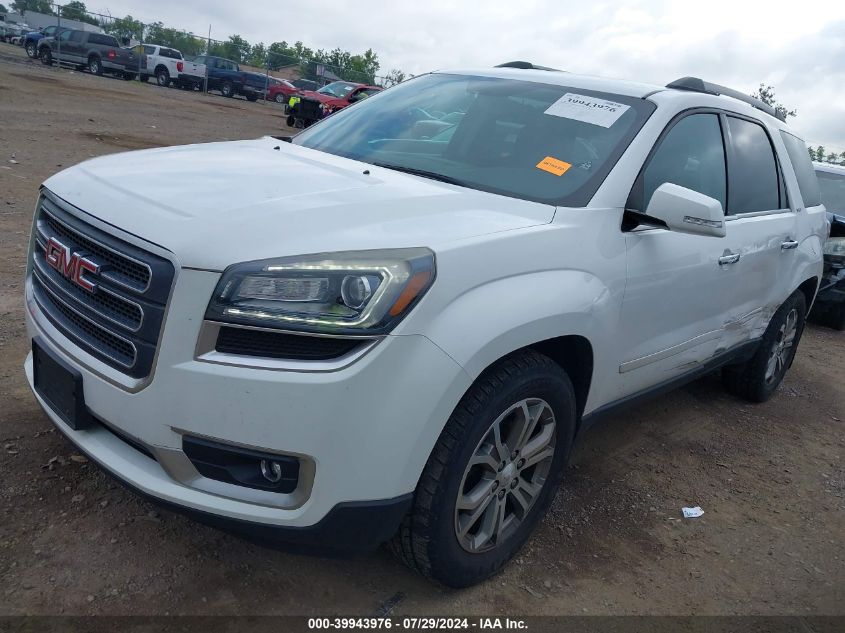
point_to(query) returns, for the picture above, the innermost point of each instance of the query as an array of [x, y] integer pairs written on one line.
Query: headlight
[[357, 292], [835, 246]]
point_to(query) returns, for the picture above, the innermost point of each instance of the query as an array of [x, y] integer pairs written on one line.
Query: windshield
[[833, 191], [527, 140], [337, 89]]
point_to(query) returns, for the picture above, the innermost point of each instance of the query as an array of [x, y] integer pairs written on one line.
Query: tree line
[[310, 63]]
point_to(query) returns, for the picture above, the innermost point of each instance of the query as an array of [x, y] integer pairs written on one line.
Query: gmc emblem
[[70, 265]]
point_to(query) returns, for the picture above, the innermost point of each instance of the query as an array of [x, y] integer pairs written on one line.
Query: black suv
[[97, 52]]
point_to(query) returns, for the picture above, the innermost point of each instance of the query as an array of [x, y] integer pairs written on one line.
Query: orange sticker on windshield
[[553, 166]]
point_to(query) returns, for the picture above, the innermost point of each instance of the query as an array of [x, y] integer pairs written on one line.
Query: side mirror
[[687, 211]]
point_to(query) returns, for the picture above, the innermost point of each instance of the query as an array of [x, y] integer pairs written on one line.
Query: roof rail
[[525, 66], [694, 84]]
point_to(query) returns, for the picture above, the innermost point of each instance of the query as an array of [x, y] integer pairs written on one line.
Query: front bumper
[[363, 431]]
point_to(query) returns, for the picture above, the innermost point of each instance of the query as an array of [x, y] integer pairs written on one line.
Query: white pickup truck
[[163, 63]]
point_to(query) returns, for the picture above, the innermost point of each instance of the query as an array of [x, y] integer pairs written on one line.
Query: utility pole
[[207, 53]]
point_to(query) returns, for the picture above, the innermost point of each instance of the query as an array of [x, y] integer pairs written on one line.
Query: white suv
[[394, 325]]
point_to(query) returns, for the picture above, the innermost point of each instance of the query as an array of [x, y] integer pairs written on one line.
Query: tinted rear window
[[753, 172], [105, 40], [170, 53], [808, 185]]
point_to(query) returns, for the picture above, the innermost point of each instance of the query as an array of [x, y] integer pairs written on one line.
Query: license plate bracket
[[60, 386]]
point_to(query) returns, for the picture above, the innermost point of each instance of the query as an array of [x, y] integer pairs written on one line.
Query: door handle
[[788, 245], [731, 258]]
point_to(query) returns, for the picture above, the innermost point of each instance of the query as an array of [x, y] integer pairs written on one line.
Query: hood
[[317, 96], [217, 204]]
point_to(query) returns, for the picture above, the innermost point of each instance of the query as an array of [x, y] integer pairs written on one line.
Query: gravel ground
[[769, 477]]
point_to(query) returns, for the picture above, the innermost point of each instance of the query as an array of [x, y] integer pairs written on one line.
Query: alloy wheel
[[505, 475], [782, 346]]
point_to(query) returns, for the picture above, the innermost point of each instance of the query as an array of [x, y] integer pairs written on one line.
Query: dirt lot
[[771, 478]]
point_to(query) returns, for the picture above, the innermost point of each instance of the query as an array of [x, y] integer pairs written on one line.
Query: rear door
[[761, 227], [676, 292], [66, 46]]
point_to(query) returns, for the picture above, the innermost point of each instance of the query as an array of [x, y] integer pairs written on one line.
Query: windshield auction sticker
[[587, 109], [554, 166]]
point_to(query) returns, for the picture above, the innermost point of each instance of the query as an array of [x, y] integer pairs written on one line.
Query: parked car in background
[[97, 52], [163, 63], [13, 32], [309, 107], [829, 308], [281, 91], [31, 39], [225, 76], [305, 84], [366, 335]]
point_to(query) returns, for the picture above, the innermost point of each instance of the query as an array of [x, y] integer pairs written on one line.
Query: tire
[[757, 379], [129, 76], [163, 78], [279, 98], [290, 121], [251, 98], [46, 56], [837, 317], [31, 50], [95, 66], [430, 539], [227, 90]]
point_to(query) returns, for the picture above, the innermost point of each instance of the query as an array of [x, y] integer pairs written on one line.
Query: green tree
[[76, 10], [393, 77], [258, 55], [38, 6], [832, 158], [766, 94], [235, 48], [820, 153], [188, 43], [842, 158], [812, 151], [125, 28]]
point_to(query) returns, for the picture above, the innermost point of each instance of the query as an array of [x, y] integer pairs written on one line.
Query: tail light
[[179, 66], [112, 54]]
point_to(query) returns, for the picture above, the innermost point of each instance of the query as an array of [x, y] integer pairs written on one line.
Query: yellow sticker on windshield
[[554, 166]]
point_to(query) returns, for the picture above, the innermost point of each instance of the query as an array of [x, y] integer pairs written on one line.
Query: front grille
[[120, 321], [246, 342]]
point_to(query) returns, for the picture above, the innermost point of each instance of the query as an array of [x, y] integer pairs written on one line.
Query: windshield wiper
[[433, 175]]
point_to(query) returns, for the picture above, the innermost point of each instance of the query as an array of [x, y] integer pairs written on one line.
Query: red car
[[314, 105], [281, 91]]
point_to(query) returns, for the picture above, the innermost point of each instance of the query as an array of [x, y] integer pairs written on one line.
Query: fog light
[[271, 470]]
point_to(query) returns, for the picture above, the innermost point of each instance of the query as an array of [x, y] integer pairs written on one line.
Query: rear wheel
[[227, 90], [251, 98], [95, 66], [163, 77], [757, 379], [280, 98], [129, 76], [492, 473], [46, 56]]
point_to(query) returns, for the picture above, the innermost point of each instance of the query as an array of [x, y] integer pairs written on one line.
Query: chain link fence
[[278, 60]]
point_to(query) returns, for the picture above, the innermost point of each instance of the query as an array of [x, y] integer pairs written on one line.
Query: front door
[[676, 294]]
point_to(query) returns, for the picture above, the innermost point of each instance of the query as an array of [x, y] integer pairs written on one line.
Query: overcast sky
[[797, 46]]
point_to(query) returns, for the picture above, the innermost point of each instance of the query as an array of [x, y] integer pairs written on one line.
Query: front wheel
[[251, 98], [129, 76], [227, 90], [31, 51], [757, 379], [95, 66], [46, 57], [163, 78], [492, 473]]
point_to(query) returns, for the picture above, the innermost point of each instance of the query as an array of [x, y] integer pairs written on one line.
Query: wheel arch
[[159, 67], [809, 287]]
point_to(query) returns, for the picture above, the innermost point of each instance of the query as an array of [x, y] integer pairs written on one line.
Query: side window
[[149, 50], [833, 191], [64, 36], [199, 60], [691, 155], [804, 172], [752, 170], [76, 36]]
